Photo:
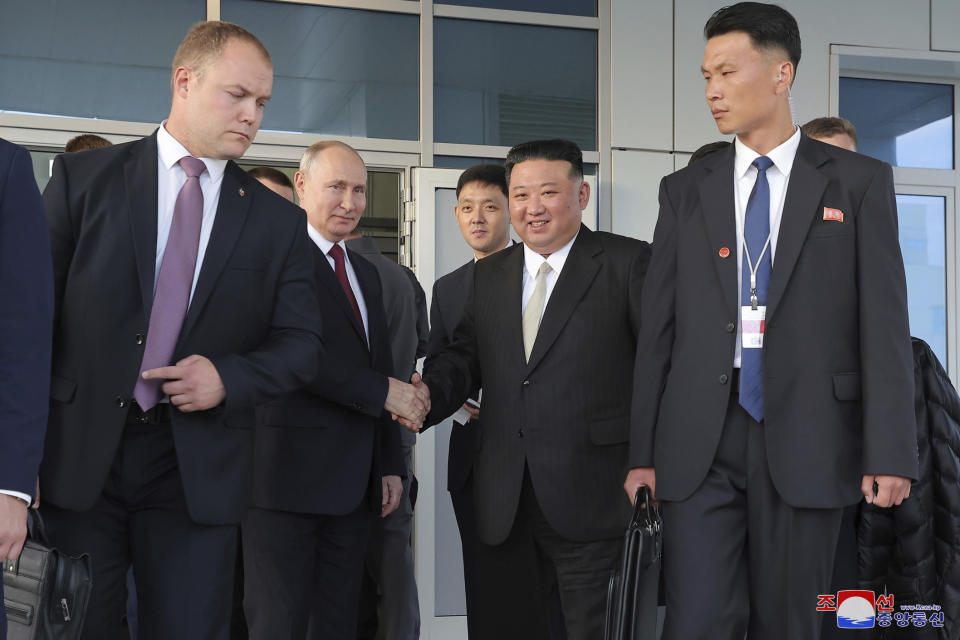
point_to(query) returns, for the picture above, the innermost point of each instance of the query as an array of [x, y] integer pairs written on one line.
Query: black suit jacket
[[566, 413], [324, 448], [253, 313], [26, 315], [838, 378], [450, 294]]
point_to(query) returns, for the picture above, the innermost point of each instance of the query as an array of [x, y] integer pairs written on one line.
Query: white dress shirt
[[325, 246], [531, 263], [170, 179], [744, 178]]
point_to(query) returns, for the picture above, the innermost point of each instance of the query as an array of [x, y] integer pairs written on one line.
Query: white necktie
[[531, 315]]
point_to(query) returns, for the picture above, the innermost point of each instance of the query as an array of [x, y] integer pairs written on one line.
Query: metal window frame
[[52, 132], [911, 180]]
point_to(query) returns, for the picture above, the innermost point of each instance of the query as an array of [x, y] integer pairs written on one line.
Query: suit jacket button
[[520, 432], [730, 327], [120, 402], [723, 378], [140, 339], [526, 383]]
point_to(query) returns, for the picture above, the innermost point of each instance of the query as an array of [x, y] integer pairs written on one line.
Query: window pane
[[337, 71], [500, 84], [105, 59], [908, 124], [922, 241], [565, 7]]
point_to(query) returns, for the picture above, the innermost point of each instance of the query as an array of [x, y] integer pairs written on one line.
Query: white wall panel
[[641, 41], [636, 183], [945, 25]]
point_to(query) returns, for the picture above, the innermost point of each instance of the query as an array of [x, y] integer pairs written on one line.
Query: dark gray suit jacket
[[450, 294], [838, 374], [565, 414]]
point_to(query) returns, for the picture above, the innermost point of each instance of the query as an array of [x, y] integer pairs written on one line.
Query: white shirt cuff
[[17, 494]]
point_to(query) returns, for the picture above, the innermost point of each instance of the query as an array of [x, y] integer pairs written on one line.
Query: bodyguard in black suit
[[484, 221], [552, 346], [761, 432], [26, 315], [328, 456], [164, 485]]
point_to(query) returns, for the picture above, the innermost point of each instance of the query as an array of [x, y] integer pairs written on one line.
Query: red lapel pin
[[724, 252]]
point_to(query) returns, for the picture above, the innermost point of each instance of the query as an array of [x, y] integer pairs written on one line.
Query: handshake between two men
[[408, 403]]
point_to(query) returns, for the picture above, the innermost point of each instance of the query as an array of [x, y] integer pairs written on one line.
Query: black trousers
[[303, 571], [184, 570], [738, 560], [539, 584], [466, 522]]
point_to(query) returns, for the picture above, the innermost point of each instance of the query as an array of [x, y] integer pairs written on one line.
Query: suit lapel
[[578, 272], [509, 313], [140, 179], [804, 193], [231, 216], [327, 278], [720, 219]]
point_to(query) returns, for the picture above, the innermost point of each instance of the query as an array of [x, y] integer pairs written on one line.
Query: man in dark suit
[[773, 383], [328, 456], [484, 221], [26, 317], [389, 564], [549, 333], [171, 263]]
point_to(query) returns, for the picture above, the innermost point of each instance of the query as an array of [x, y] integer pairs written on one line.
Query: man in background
[[86, 141], [484, 221], [836, 131], [26, 320], [275, 180]]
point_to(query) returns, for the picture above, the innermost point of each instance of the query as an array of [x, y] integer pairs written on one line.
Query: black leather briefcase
[[632, 596], [45, 592]]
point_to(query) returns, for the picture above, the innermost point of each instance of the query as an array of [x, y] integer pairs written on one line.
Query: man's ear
[[584, 194]]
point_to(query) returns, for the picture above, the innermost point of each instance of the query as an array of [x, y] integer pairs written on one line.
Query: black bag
[[45, 592], [632, 595]]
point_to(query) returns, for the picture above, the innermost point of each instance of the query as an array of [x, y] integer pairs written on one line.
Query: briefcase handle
[[646, 515], [37, 529]]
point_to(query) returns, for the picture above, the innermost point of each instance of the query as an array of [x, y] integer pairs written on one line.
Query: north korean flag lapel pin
[[724, 252], [242, 192], [832, 214]]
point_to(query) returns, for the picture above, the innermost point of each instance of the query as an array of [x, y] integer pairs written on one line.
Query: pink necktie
[[172, 295], [340, 269]]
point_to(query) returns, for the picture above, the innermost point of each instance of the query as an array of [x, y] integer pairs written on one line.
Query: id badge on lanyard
[[752, 323]]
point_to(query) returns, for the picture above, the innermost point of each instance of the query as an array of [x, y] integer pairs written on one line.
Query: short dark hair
[[768, 25], [489, 174], [829, 127], [271, 174], [547, 150], [86, 141], [708, 149]]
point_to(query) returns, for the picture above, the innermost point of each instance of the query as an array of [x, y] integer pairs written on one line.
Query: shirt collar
[[781, 155], [532, 260], [322, 243], [170, 151]]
